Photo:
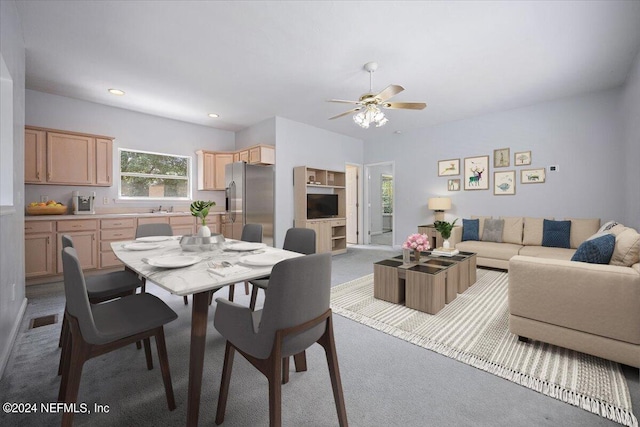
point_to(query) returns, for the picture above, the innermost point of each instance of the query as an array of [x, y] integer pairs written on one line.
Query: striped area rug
[[474, 329]]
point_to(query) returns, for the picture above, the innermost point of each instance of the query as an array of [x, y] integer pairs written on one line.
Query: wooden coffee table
[[426, 286]]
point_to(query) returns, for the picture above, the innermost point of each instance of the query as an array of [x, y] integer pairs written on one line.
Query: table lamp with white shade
[[439, 205]]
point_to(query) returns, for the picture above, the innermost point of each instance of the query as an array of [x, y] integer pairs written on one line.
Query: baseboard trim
[[4, 357]]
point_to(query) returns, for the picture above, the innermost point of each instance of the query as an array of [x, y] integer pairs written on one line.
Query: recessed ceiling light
[[116, 92], [213, 115]]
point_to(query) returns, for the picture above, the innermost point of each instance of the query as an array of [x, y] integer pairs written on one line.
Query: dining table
[[161, 260]]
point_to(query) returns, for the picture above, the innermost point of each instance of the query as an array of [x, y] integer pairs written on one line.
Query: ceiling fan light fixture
[[371, 114], [117, 92]]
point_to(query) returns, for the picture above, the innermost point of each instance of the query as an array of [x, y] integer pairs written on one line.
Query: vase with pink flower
[[417, 243]]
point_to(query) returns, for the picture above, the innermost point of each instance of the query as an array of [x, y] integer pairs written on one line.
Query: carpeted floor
[[474, 329], [387, 381]]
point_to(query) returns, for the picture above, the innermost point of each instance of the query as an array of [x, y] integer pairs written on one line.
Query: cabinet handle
[[37, 174], [93, 237], [49, 175], [117, 223], [48, 240], [75, 226], [118, 234]]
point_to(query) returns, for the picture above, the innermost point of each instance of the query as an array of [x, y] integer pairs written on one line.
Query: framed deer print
[[476, 173], [449, 167], [532, 176]]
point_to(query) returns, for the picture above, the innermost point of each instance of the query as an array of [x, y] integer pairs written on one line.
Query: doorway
[[380, 203]]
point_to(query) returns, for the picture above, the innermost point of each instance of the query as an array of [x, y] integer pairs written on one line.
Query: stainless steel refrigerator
[[249, 199]]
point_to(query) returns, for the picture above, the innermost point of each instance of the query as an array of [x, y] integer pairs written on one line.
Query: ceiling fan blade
[[343, 101], [405, 105], [388, 92], [345, 113]]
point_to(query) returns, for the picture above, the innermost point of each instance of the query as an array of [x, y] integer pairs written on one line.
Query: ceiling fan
[[368, 110]]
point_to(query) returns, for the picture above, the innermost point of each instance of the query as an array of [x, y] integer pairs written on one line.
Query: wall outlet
[[554, 168], [105, 200], [44, 199]]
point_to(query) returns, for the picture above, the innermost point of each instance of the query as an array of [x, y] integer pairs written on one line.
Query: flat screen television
[[322, 205]]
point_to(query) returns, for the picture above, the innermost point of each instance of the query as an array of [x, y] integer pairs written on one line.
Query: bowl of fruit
[[50, 207]]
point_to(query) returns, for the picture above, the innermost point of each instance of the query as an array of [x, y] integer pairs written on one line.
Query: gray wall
[[13, 301], [303, 145], [132, 130], [631, 121], [260, 133], [582, 135]]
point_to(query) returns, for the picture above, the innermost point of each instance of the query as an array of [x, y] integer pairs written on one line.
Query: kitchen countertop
[[109, 215]]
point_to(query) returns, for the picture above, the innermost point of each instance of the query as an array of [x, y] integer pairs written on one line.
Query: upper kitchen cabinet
[[211, 163], [262, 155], [211, 169], [67, 158]]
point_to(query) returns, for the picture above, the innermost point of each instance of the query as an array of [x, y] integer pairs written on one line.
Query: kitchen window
[[154, 176]]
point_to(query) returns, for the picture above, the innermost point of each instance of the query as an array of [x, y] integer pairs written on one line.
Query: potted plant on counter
[[200, 209], [444, 228]]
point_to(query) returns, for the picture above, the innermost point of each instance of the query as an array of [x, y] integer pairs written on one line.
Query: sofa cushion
[[493, 250], [627, 249], [512, 231], [581, 229], [481, 224], [596, 251], [532, 231], [493, 230], [556, 234], [546, 252], [470, 229], [607, 226]]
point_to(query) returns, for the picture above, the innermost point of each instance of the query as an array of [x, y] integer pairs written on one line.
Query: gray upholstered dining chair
[[97, 329], [148, 230], [301, 240], [250, 233], [100, 288], [296, 315]]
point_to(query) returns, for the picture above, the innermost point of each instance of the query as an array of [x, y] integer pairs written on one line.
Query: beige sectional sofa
[[591, 308], [522, 236]]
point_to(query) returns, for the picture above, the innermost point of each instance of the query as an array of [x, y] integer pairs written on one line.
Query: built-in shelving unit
[[331, 233]]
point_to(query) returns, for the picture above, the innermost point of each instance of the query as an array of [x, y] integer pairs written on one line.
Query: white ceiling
[[248, 61]]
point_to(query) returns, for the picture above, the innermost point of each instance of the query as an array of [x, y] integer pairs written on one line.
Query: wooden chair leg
[[275, 393], [254, 297], [232, 290], [285, 370], [224, 382], [65, 336], [327, 341], [300, 360], [186, 300], [71, 378], [246, 287], [161, 346], [147, 353]]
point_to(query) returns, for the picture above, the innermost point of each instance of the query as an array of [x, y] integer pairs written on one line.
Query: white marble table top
[[194, 278]]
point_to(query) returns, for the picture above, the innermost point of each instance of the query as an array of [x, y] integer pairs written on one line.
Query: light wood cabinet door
[[323, 235], [38, 255], [262, 155], [209, 166], [86, 245], [243, 156], [104, 162], [34, 153], [70, 159], [221, 160]]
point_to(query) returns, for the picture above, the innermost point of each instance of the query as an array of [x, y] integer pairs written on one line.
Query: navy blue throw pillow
[[555, 234], [596, 251], [470, 229]]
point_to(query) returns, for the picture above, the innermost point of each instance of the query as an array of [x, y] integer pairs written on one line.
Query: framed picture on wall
[[453, 185], [532, 176], [501, 158], [449, 167], [476, 173], [522, 158], [504, 183]]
